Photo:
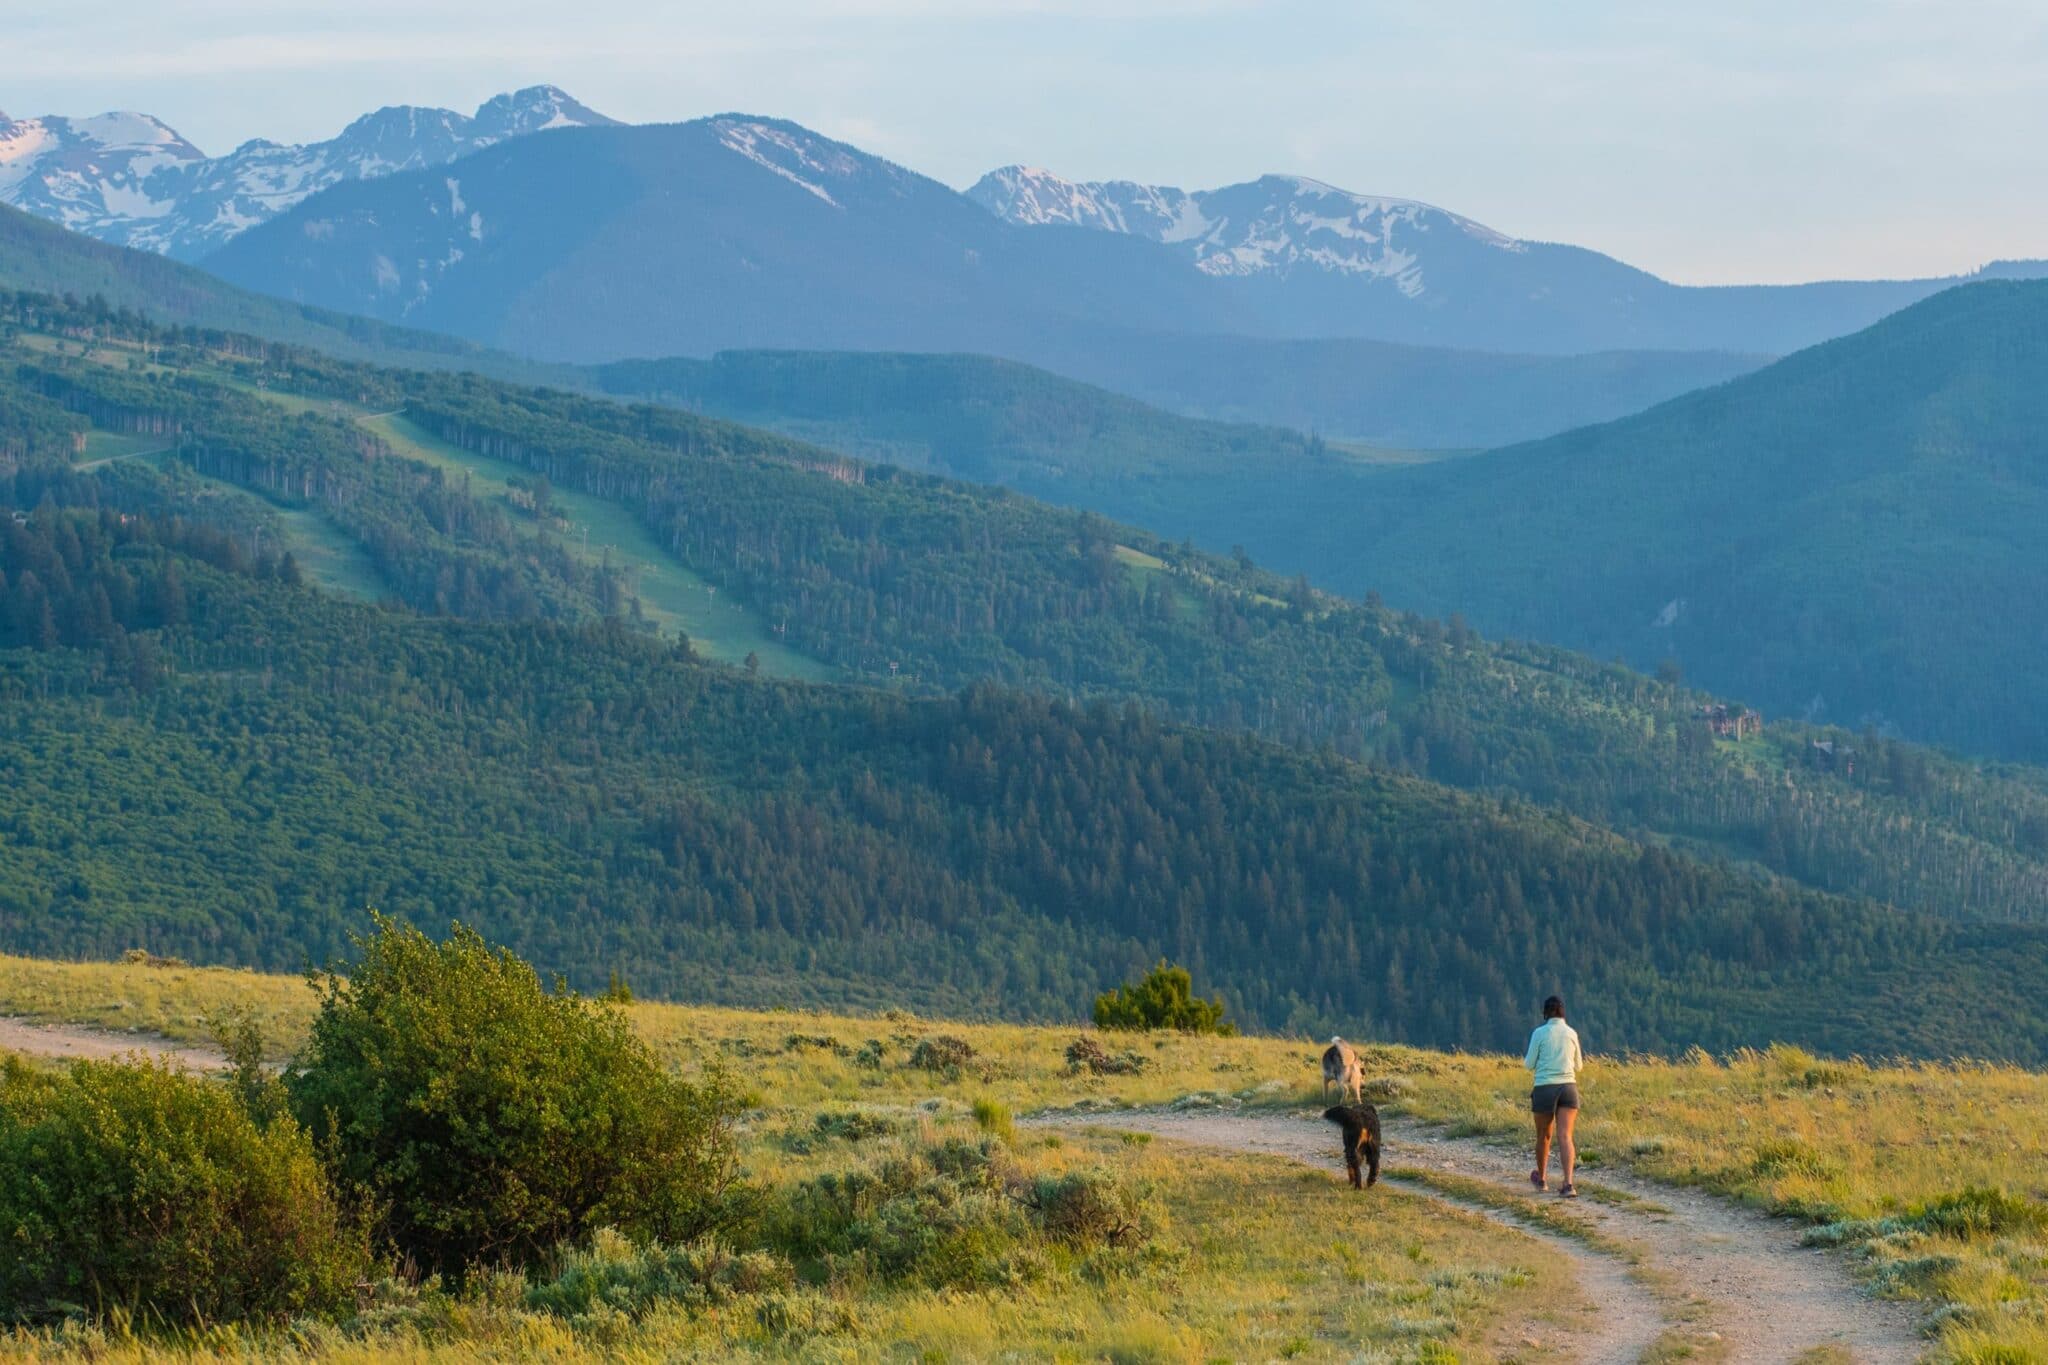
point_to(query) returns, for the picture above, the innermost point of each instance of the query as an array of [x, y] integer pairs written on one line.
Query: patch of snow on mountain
[[127, 202], [21, 146], [761, 142], [124, 131]]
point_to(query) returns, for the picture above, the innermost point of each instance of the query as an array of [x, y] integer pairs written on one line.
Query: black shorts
[[1548, 1099]]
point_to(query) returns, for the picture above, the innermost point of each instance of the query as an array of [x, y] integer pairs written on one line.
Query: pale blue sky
[[1713, 141]]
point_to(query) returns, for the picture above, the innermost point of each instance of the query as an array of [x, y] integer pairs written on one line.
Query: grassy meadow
[[1936, 1174]]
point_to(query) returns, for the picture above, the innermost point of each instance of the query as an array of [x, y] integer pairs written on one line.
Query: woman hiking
[[1554, 1060]]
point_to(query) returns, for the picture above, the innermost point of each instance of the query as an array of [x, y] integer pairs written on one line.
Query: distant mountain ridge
[[1273, 224], [1313, 260], [743, 231], [130, 179]]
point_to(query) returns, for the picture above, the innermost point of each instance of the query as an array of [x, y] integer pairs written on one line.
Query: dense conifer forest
[[1070, 748]]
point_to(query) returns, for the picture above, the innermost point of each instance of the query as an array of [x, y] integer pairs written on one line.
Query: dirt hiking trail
[[1732, 1283], [74, 1042]]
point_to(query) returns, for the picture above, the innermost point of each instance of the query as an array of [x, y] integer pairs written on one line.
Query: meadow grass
[[1874, 1156], [1261, 1261], [1255, 1259], [118, 445]]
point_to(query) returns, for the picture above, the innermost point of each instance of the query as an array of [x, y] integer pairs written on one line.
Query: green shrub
[[992, 1116], [240, 1039], [847, 1125], [1086, 1054], [1164, 999], [133, 1186], [936, 1214], [492, 1119], [1089, 1209], [942, 1053], [1977, 1210], [613, 1275]]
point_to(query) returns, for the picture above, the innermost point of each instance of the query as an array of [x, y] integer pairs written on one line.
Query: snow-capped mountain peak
[[129, 178], [536, 109], [1273, 225]]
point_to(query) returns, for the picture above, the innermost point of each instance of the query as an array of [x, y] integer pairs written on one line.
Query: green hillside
[[923, 587], [997, 421], [228, 765], [1859, 531], [210, 757], [42, 257]]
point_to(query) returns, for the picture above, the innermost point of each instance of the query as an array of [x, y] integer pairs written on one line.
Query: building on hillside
[[1731, 722]]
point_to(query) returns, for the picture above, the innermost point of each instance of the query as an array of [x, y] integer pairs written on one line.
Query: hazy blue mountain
[[1371, 391], [602, 243], [130, 179], [1310, 259], [1859, 531], [42, 257], [1386, 393], [745, 232]]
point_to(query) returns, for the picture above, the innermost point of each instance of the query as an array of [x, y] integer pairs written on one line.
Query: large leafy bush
[[134, 1186], [491, 1119]]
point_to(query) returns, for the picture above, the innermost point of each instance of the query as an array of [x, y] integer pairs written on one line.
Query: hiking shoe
[[1536, 1179], [1569, 1192]]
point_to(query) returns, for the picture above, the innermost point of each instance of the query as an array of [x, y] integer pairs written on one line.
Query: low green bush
[[936, 1214], [1090, 1208], [612, 1275], [942, 1053], [992, 1116], [135, 1187], [491, 1119]]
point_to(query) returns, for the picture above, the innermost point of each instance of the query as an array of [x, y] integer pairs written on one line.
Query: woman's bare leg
[[1567, 1120], [1543, 1122]]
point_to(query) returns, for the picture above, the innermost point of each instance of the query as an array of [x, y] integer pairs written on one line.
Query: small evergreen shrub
[[1164, 999], [130, 1185], [491, 1119]]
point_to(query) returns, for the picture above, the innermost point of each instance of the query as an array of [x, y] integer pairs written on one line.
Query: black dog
[[1361, 1125]]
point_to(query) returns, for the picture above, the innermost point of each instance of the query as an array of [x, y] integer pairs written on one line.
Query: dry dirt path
[[1726, 1277], [71, 1042], [1731, 1281]]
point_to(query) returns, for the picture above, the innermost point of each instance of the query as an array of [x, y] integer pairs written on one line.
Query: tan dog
[[1341, 1066]]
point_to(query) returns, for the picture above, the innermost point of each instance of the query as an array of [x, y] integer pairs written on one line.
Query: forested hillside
[[272, 760], [207, 755], [996, 421], [924, 586], [1858, 532]]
